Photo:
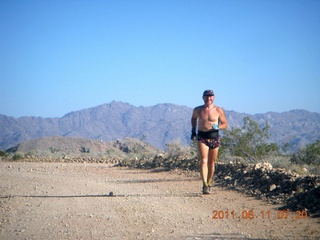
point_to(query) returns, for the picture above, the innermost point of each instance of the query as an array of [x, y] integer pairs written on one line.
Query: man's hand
[[193, 134], [215, 126]]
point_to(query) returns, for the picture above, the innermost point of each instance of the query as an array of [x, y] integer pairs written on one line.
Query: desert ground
[[41, 200]]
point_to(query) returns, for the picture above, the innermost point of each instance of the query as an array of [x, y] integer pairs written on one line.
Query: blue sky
[[60, 56]]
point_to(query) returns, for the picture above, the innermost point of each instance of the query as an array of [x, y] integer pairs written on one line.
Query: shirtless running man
[[210, 119]]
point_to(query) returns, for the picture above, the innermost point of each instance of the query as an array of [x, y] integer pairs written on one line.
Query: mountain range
[[156, 125]]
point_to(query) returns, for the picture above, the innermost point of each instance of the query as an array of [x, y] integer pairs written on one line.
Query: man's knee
[[211, 164], [203, 162]]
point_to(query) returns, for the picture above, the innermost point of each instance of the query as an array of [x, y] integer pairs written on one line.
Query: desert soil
[[75, 201]]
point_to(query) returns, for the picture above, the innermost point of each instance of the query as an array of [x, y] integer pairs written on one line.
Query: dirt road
[[98, 201]]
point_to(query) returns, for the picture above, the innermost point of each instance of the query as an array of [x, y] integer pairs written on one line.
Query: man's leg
[[203, 155], [213, 154]]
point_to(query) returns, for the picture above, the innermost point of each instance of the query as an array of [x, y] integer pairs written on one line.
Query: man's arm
[[194, 118], [194, 124], [223, 123]]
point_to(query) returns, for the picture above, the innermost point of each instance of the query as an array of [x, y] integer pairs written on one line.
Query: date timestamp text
[[251, 214]]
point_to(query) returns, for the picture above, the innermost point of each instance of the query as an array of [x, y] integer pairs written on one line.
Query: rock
[[272, 187], [265, 166]]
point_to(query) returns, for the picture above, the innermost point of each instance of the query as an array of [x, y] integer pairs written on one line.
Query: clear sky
[[59, 56]]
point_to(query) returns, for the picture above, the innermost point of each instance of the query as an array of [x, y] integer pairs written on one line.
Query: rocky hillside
[[157, 125], [58, 147]]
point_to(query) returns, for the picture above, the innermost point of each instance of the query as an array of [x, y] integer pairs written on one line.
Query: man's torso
[[207, 117]]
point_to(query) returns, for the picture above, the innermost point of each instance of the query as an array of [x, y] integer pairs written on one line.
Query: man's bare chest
[[211, 115]]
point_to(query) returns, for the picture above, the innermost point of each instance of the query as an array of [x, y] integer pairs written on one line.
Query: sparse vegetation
[[194, 149], [85, 149], [54, 150], [309, 155], [175, 148], [17, 156], [307, 159], [3, 153], [249, 144], [249, 141]]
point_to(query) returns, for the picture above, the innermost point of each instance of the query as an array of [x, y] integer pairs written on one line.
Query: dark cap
[[208, 93]]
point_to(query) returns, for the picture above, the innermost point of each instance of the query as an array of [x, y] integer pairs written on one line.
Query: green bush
[[279, 161], [309, 155], [249, 142], [3, 153], [17, 156], [54, 150]]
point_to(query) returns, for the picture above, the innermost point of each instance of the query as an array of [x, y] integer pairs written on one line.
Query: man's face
[[208, 99]]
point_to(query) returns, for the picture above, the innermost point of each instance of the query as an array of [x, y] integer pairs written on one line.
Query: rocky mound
[[272, 185], [275, 186], [66, 147]]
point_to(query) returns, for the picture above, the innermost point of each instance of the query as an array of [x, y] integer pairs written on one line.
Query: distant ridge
[[157, 125]]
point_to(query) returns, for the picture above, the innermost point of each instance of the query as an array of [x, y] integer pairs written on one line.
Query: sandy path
[[71, 201]]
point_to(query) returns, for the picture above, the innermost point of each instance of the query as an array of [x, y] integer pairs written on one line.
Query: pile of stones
[[161, 161], [273, 185], [276, 186]]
